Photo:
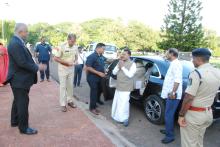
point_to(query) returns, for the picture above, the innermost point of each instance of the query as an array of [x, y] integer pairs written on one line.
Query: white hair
[[19, 27]]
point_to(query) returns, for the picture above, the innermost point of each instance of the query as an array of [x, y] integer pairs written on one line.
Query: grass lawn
[[215, 62]]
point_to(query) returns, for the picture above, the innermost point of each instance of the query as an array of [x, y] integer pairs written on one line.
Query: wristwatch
[[181, 115], [173, 93]]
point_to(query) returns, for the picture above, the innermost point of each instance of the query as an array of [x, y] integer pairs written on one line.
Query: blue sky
[[150, 12]]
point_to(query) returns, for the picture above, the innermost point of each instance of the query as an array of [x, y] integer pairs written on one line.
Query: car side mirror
[[162, 77]]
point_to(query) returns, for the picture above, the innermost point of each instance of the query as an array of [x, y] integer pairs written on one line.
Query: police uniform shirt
[[204, 89], [97, 62], [67, 54]]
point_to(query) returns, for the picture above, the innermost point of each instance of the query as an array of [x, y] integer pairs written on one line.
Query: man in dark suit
[[21, 76]]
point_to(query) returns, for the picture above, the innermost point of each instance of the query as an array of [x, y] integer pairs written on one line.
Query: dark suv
[[154, 105]]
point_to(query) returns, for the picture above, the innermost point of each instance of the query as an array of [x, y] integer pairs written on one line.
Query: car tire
[[154, 108]]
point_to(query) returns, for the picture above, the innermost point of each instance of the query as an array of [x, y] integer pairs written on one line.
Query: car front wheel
[[154, 109]]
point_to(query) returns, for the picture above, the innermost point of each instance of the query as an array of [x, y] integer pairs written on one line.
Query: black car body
[[154, 105]]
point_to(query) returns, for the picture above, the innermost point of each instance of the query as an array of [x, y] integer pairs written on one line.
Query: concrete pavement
[[140, 131], [56, 129]]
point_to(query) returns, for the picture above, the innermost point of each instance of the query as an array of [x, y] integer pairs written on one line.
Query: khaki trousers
[[66, 86], [192, 135]]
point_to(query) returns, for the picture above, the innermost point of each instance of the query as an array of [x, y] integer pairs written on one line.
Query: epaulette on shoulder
[[198, 73], [196, 70]]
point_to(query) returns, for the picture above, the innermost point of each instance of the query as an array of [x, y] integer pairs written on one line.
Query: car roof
[[40, 43], [162, 63], [157, 59], [95, 43], [154, 59]]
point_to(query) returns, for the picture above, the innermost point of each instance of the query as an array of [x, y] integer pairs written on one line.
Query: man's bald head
[[21, 30]]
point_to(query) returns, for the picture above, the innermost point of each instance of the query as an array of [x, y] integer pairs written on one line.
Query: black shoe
[[118, 121], [162, 131], [126, 123], [72, 105], [94, 111], [29, 131], [14, 125], [63, 108], [166, 141], [100, 102]]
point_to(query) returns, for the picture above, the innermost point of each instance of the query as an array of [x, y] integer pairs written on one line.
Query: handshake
[[42, 67]]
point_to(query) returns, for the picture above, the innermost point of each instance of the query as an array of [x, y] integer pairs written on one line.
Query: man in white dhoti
[[125, 71]]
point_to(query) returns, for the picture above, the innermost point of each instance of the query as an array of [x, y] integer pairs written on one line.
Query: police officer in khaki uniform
[[66, 56], [196, 113]]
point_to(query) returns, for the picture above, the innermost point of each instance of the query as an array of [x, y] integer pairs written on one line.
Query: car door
[[216, 105], [149, 73], [108, 85]]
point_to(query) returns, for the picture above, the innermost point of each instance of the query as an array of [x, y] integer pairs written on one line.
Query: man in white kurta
[[172, 92], [125, 71]]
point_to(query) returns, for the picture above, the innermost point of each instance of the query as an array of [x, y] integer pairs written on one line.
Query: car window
[[110, 48], [155, 72], [91, 48]]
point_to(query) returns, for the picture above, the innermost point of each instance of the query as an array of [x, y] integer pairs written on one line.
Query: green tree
[[36, 31], [134, 35], [94, 28], [103, 30], [54, 34], [8, 30], [183, 27], [218, 50], [114, 32], [211, 39], [141, 37]]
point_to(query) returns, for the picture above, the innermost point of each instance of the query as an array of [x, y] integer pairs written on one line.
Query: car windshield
[[110, 48], [91, 48], [187, 68]]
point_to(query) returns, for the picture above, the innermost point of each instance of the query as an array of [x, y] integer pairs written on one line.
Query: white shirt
[[81, 58], [129, 73], [174, 75]]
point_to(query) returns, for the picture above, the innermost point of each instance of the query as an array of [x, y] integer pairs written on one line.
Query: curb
[[108, 128]]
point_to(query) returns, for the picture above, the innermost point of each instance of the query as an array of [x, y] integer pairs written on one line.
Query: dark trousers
[[102, 82], [95, 93], [171, 106], [47, 71], [19, 111], [77, 74]]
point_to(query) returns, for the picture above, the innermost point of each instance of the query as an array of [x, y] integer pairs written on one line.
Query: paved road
[[141, 132]]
